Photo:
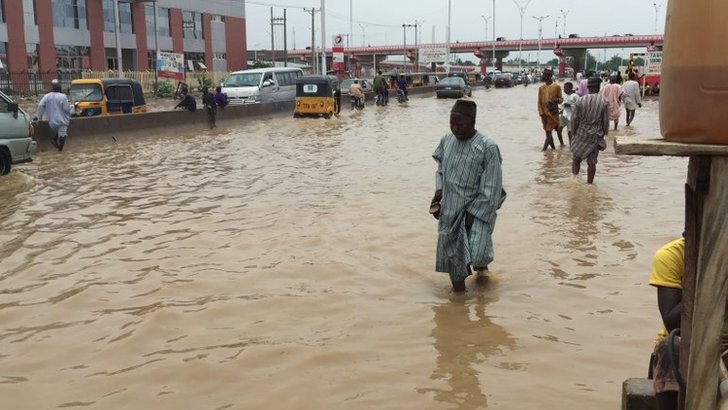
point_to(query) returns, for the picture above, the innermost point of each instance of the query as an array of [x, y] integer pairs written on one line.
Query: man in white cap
[[55, 105], [468, 193]]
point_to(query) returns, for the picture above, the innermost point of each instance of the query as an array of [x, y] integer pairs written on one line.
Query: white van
[[261, 85], [16, 134]]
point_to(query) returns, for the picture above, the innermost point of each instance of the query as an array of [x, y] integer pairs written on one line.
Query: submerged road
[[289, 263]]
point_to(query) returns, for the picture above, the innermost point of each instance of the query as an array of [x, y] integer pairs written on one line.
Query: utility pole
[[417, 46], [313, 38], [272, 39], [323, 37], [522, 10], [404, 29], [278, 21], [540, 36]]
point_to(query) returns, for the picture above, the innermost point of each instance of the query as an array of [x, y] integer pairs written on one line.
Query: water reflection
[[465, 336]]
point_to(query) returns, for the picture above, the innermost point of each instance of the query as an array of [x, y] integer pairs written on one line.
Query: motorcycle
[[401, 98], [357, 103], [382, 99]]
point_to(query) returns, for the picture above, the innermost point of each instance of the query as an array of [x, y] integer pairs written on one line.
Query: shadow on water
[[465, 336]]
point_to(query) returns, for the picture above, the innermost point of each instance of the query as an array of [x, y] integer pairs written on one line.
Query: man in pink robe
[[613, 94]]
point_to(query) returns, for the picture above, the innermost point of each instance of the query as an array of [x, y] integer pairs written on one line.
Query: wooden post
[[711, 288], [696, 188]]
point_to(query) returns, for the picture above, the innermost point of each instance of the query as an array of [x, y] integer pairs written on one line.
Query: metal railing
[[32, 83]]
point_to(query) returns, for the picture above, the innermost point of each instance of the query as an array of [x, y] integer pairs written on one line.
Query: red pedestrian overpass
[[562, 47]]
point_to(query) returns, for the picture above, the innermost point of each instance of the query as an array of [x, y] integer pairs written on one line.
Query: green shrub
[[163, 89], [204, 81]]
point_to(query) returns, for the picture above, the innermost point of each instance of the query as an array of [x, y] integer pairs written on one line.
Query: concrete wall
[[109, 128]]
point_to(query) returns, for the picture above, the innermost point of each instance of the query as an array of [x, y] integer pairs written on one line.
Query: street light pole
[[323, 37], [363, 27], [522, 10], [657, 10], [494, 60], [447, 40], [485, 19], [540, 36], [564, 13], [404, 48]]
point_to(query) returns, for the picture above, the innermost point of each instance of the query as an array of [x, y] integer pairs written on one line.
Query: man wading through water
[[469, 192]]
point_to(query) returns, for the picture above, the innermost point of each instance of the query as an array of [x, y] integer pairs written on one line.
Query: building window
[[69, 14], [195, 61], [3, 54], [162, 20], [31, 55], [29, 13], [192, 25], [72, 58], [125, 18]]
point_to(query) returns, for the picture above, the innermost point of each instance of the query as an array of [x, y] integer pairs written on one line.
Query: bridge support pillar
[[578, 56], [486, 57]]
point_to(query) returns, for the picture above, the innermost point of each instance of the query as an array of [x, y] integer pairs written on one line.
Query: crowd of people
[[586, 112]]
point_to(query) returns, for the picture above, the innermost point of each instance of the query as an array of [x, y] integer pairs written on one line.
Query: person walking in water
[[56, 106], [613, 94], [590, 122], [631, 97], [549, 98], [208, 101], [468, 193], [569, 101]]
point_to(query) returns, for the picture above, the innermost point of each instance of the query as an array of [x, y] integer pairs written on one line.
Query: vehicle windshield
[[243, 80], [85, 92], [347, 83], [505, 76], [451, 81]]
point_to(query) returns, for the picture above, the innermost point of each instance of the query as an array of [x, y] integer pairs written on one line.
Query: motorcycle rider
[[380, 88], [356, 91], [402, 85]]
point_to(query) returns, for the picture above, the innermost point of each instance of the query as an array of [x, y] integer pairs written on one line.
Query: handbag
[[553, 107], [602, 144]]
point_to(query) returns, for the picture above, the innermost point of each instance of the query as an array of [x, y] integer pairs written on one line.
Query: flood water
[[289, 263]]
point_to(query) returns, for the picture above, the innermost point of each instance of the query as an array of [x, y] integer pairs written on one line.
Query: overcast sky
[[379, 22]]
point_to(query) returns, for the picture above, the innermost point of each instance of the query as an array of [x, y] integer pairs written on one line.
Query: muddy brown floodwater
[[288, 263]]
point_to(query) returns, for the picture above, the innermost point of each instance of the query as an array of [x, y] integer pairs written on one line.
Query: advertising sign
[[433, 55], [653, 60], [337, 50], [171, 65]]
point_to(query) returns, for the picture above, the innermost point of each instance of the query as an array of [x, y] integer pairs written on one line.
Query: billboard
[[337, 50], [653, 61], [171, 65], [433, 55]]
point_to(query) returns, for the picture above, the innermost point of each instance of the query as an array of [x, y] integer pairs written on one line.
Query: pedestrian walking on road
[[631, 97], [208, 101], [590, 121], [56, 107], [613, 93], [549, 98], [468, 193]]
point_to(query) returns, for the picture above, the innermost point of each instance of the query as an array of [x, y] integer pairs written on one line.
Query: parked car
[[16, 134], [366, 85], [453, 87], [503, 80]]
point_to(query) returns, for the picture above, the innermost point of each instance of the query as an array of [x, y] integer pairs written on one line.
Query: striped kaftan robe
[[590, 123], [470, 177]]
